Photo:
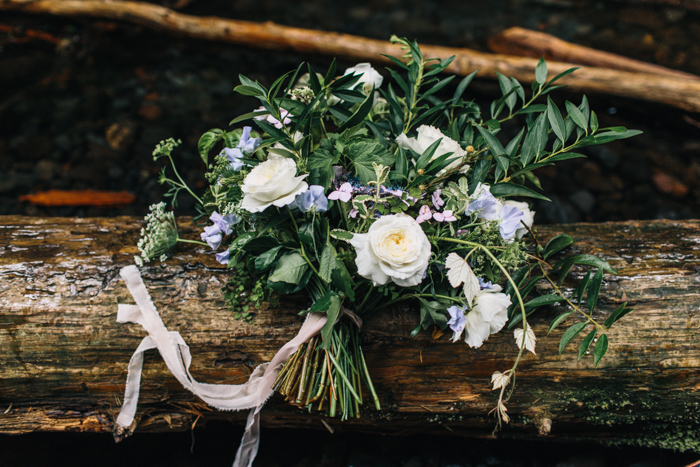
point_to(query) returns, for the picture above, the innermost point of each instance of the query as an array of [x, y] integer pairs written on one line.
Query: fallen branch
[[63, 356], [678, 92], [520, 41], [80, 198]]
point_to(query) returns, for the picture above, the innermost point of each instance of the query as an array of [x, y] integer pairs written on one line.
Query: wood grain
[[63, 356], [674, 91]]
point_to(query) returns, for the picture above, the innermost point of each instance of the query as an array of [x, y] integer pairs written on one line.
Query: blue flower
[[457, 320], [485, 205], [223, 257], [313, 198], [212, 235], [485, 284], [246, 145], [510, 221], [224, 222]]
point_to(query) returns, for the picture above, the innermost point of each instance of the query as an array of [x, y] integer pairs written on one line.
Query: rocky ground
[[83, 103]]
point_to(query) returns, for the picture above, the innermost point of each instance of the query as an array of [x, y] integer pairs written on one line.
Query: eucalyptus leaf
[[570, 333], [558, 320], [601, 347], [586, 343]]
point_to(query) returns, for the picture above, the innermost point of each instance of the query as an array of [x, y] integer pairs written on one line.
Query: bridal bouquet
[[363, 195]]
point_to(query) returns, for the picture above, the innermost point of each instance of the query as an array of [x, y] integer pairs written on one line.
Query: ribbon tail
[[250, 441]]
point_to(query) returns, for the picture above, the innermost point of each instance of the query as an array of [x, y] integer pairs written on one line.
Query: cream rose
[[427, 135], [394, 248], [272, 182]]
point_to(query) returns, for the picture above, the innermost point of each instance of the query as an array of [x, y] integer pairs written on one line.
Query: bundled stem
[[328, 378]]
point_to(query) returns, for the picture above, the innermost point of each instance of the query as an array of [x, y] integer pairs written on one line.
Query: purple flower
[[457, 321], [437, 201], [510, 221], [344, 193], [212, 235], [425, 214], [485, 285], [246, 145], [485, 205], [284, 113], [224, 223], [223, 257], [446, 216], [353, 213], [313, 198]]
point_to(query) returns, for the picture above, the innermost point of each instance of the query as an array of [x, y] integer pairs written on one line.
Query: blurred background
[[84, 101]]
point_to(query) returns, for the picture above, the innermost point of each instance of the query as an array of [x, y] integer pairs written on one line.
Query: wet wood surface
[[63, 356], [674, 91]]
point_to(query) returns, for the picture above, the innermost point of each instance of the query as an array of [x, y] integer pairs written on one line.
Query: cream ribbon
[[176, 354]]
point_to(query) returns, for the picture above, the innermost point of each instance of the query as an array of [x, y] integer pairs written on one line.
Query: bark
[[677, 92], [521, 41], [63, 356]]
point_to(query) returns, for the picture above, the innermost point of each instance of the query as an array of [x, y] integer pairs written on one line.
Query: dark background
[[84, 101]]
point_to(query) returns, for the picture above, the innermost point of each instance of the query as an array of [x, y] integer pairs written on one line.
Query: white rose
[[529, 216], [395, 247], [369, 77], [272, 182], [427, 135], [488, 316]]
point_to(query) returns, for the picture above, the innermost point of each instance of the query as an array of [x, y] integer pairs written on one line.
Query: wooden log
[[63, 356], [673, 91], [527, 43]]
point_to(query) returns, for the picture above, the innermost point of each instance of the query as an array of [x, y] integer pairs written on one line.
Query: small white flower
[[427, 135], [369, 77], [394, 248], [272, 182], [499, 380], [460, 272], [530, 339], [528, 216]]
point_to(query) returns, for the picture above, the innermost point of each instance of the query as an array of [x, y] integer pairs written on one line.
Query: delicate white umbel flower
[[394, 248], [272, 182]]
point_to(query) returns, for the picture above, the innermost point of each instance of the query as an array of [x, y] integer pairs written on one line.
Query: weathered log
[[536, 44], [63, 356], [677, 92]]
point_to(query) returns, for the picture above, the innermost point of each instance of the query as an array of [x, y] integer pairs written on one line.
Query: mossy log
[[63, 356]]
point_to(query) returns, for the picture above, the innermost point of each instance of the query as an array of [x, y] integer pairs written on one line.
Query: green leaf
[[606, 137], [240, 241], [249, 91], [495, 146], [541, 72], [556, 244], [570, 333], [576, 115], [555, 120], [511, 189], [601, 347], [341, 281], [290, 269], [558, 320], [617, 315], [207, 141], [565, 265], [359, 115], [532, 305], [507, 88], [582, 286], [586, 343], [366, 152], [432, 313], [594, 122], [561, 75], [265, 260], [535, 140], [462, 86], [594, 290], [330, 305], [339, 234], [327, 263], [563, 156]]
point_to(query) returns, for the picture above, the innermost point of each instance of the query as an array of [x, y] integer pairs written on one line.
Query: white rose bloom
[[529, 216], [272, 182], [427, 135], [488, 316], [394, 248], [369, 77]]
